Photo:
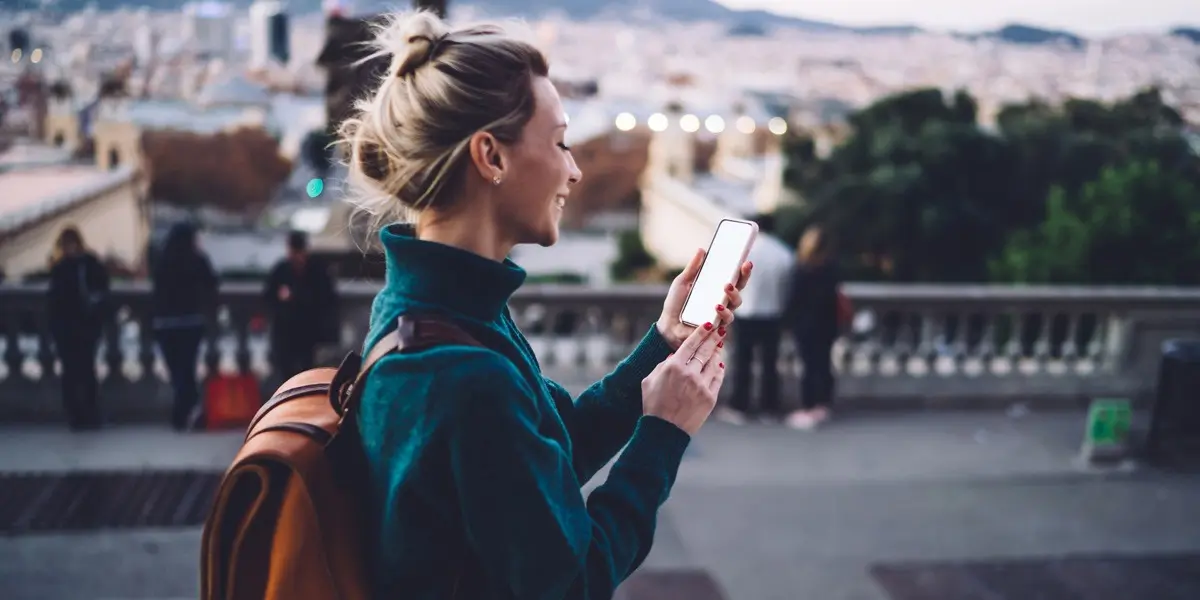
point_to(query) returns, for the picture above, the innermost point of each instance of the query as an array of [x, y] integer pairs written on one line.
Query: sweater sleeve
[[603, 417], [520, 501]]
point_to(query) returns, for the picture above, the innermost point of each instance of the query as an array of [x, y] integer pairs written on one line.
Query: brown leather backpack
[[288, 520]]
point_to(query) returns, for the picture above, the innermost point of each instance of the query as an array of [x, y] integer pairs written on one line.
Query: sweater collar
[[440, 275]]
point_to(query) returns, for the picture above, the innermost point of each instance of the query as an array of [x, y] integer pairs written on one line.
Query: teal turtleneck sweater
[[476, 460]]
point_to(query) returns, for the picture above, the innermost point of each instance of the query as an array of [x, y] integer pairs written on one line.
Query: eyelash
[[564, 146]]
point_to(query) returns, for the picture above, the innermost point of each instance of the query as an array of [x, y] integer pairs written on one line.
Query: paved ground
[[771, 513]]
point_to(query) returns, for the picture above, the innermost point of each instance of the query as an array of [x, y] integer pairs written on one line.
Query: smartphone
[[727, 251]]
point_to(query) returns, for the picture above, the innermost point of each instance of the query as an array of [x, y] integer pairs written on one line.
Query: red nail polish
[[722, 365], [720, 308], [721, 344], [721, 330], [708, 325], [729, 287]]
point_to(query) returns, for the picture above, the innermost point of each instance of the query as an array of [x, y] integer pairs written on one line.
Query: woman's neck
[[474, 232]]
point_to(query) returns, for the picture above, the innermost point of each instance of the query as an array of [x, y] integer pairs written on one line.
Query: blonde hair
[[407, 142], [813, 247]]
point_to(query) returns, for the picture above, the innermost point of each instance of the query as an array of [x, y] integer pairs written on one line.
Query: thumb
[[693, 267]]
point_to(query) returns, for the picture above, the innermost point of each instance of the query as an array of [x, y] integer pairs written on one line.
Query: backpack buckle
[[342, 385]]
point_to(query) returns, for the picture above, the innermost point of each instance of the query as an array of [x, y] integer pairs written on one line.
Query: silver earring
[[496, 180]]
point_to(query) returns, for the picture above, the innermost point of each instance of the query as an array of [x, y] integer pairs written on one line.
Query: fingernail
[[708, 325], [721, 344], [722, 365], [721, 331], [729, 287], [751, 264], [720, 308]]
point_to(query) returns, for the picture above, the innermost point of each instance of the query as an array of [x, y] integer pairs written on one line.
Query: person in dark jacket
[[78, 303], [812, 314], [185, 294], [301, 299]]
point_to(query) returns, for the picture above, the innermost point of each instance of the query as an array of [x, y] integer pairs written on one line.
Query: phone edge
[[733, 279]]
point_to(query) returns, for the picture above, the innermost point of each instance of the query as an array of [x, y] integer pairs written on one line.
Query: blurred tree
[[920, 193], [632, 257], [236, 171], [916, 178], [1133, 224]]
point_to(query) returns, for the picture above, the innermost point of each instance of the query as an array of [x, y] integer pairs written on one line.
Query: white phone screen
[[725, 255]]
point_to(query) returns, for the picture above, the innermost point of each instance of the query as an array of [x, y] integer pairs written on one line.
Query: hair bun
[[413, 40]]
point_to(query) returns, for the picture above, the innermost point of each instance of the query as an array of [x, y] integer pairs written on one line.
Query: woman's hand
[[669, 325], [682, 390]]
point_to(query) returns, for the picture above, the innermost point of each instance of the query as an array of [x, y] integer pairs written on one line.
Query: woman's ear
[[487, 156]]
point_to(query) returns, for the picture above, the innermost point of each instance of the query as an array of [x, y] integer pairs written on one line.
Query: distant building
[[46, 190], [270, 37], [145, 45], [208, 27], [683, 199]]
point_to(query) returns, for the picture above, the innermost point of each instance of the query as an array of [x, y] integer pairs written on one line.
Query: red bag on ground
[[231, 400]]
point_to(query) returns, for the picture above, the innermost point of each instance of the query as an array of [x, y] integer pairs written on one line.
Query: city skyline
[[1086, 17]]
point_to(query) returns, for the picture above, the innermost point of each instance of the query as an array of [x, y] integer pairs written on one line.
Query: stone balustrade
[[935, 343]]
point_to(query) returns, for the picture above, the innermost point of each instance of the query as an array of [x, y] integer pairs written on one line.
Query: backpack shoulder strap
[[412, 333]]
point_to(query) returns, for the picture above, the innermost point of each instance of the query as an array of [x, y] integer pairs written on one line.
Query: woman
[[78, 301], [812, 304], [185, 291], [476, 460]]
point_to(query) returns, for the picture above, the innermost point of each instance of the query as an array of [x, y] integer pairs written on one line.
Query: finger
[[693, 267], [716, 377], [724, 318], [692, 343], [733, 297], [709, 346], [717, 360], [744, 274]]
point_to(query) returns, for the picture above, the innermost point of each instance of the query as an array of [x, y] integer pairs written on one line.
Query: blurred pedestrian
[[301, 299], [78, 302], [185, 295], [759, 328], [812, 309]]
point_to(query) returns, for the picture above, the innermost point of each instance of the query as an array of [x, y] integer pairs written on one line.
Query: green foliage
[[920, 187], [632, 256], [1134, 224]]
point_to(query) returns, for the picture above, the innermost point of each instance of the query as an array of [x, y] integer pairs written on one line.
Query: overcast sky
[[1081, 16]]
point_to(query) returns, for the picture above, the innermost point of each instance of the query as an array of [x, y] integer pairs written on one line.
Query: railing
[[930, 342]]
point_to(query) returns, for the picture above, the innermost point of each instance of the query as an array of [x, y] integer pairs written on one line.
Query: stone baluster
[[146, 355], [239, 321], [926, 352], [988, 346], [1094, 361], [112, 357], [960, 344], [46, 357], [1041, 347], [613, 329]]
